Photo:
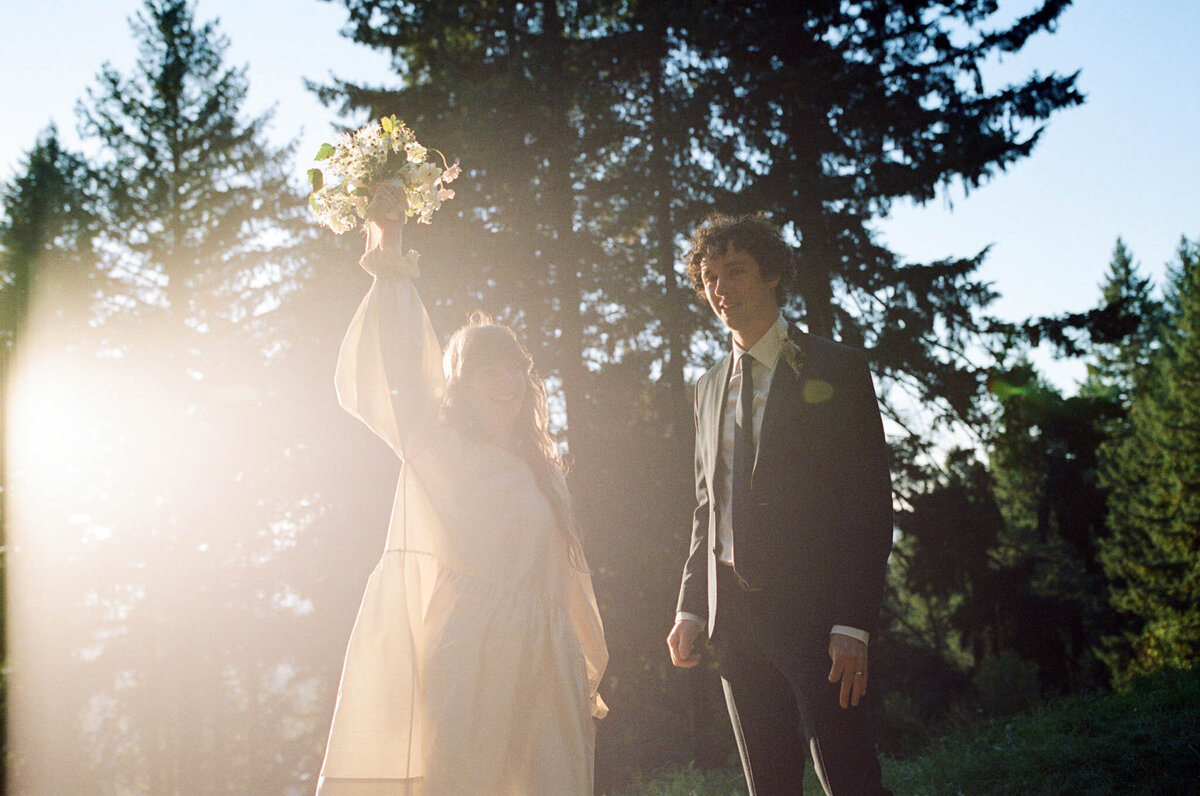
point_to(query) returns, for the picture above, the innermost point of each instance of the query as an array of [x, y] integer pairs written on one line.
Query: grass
[[1142, 741]]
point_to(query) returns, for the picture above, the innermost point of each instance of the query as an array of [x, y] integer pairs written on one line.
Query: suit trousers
[[784, 709]]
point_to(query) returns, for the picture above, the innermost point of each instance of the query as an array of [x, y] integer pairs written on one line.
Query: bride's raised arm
[[389, 370]]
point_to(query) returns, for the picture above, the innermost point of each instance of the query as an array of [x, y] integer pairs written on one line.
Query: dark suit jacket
[[821, 525]]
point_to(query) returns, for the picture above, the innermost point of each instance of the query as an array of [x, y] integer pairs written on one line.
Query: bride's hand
[[386, 214]]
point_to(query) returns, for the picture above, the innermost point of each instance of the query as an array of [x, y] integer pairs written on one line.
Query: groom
[[792, 527]]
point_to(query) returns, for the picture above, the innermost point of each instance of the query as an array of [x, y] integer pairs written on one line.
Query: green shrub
[[1142, 741]]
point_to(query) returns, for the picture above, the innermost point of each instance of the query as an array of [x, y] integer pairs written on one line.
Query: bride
[[475, 658]]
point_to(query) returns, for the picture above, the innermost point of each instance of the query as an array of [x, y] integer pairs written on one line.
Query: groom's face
[[737, 292]]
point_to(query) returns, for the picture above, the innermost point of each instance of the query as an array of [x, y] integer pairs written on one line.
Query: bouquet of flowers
[[357, 163]]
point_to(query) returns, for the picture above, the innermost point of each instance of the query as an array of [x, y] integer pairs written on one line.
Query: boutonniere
[[792, 354]]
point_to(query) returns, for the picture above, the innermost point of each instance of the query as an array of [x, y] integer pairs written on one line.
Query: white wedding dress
[[475, 658]]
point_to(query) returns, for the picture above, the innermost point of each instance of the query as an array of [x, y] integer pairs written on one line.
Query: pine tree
[[834, 111], [46, 228], [173, 681], [1152, 557], [45, 248], [526, 95], [823, 115], [189, 187], [1124, 331], [950, 531], [573, 123], [1043, 461], [47, 224]]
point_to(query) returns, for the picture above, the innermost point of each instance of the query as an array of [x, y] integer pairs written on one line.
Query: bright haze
[[1124, 164]]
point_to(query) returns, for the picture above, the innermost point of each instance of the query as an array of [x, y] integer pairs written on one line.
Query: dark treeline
[[190, 518]]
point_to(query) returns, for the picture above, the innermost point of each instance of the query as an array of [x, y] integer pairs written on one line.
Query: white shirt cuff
[[852, 632], [685, 615]]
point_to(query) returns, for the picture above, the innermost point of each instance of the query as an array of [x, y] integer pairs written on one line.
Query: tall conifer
[[1124, 331], [162, 524], [1152, 557]]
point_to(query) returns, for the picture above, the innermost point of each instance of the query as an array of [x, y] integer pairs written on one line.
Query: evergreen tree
[[1125, 335], [46, 224], [1044, 467], [1152, 556], [1037, 587], [46, 230], [950, 530], [833, 112], [175, 527], [526, 95], [45, 243], [1124, 332], [891, 105], [190, 189], [567, 222]]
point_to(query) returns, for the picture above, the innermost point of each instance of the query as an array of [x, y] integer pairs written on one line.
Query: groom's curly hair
[[752, 234]]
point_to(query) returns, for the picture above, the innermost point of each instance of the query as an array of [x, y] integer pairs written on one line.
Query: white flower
[[424, 178], [415, 152]]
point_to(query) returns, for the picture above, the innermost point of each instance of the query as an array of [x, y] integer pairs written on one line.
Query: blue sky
[[1125, 163]]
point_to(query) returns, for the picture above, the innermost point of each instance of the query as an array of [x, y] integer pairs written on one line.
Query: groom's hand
[[681, 641], [849, 656]]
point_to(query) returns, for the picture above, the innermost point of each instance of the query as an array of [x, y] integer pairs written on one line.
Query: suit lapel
[[783, 401], [714, 403]]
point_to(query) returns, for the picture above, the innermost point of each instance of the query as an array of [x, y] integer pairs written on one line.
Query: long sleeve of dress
[[585, 621], [389, 371], [389, 375]]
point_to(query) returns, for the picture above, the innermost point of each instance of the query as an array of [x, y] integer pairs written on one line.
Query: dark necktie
[[743, 447]]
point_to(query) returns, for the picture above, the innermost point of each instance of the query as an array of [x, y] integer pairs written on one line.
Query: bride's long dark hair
[[481, 340]]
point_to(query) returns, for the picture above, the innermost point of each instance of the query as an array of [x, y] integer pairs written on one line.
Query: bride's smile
[[496, 392]]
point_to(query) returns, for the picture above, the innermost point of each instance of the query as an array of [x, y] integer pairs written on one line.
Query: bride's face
[[495, 392]]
